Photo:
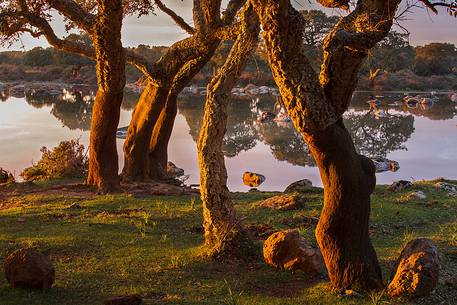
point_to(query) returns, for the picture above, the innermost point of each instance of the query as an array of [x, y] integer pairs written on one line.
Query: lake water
[[423, 140]]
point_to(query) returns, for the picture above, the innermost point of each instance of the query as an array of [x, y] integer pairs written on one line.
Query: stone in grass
[[416, 271], [26, 268], [400, 185], [287, 250], [123, 300], [299, 186], [284, 202], [451, 189], [417, 195]]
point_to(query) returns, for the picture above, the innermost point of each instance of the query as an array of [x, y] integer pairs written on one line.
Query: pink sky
[[423, 25]]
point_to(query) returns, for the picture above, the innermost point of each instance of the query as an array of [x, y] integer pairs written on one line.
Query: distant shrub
[[6, 176], [67, 160]]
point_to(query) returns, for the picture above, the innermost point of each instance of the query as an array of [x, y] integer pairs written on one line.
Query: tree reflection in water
[[373, 137]]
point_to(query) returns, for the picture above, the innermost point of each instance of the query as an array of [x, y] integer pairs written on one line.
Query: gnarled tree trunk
[[103, 160], [224, 235], [316, 109], [342, 231], [174, 70]]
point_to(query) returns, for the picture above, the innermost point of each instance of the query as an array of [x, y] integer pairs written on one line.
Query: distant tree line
[[393, 54]]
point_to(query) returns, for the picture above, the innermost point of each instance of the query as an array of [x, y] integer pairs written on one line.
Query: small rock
[[21, 220], [174, 171], [253, 179], [417, 195], [349, 293], [287, 250], [416, 271], [447, 187], [400, 185], [123, 300], [299, 186], [385, 165], [283, 202], [74, 206], [27, 268]]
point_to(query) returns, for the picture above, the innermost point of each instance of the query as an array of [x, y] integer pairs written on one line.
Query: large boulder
[[299, 186], [284, 202], [287, 250], [253, 179], [26, 268], [416, 271]]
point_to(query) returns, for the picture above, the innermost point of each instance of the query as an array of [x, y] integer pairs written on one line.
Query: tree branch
[[74, 12], [348, 44], [176, 18], [432, 5], [342, 4]]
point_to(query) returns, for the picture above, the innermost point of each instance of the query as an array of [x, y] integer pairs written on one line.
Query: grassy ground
[[116, 245]]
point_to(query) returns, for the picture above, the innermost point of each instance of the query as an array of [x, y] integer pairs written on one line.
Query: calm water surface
[[423, 140]]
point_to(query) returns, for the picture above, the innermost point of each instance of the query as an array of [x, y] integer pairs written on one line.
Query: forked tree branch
[[432, 5]]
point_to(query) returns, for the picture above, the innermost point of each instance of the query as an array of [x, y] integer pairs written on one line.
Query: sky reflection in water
[[423, 141]]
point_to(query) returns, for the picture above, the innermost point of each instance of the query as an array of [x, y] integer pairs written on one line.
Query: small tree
[[224, 235]]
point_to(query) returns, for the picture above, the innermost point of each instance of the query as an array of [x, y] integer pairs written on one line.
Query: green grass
[[119, 244]]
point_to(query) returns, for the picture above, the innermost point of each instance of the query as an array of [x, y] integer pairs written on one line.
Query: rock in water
[[121, 133], [283, 202], [385, 165], [400, 185], [287, 250], [253, 179], [416, 271], [123, 300], [174, 171], [299, 186], [27, 268]]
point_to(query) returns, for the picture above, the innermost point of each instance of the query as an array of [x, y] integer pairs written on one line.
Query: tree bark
[[158, 147], [136, 146], [103, 160], [150, 129], [342, 231], [315, 109], [224, 235]]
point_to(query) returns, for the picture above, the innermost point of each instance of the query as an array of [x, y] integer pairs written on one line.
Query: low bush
[[67, 160]]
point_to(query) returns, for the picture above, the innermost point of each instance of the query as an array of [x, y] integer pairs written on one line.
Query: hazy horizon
[[159, 29]]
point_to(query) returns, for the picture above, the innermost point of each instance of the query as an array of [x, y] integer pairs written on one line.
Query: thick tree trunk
[[103, 161], [224, 235], [158, 147], [315, 108], [342, 231], [103, 158], [136, 146]]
